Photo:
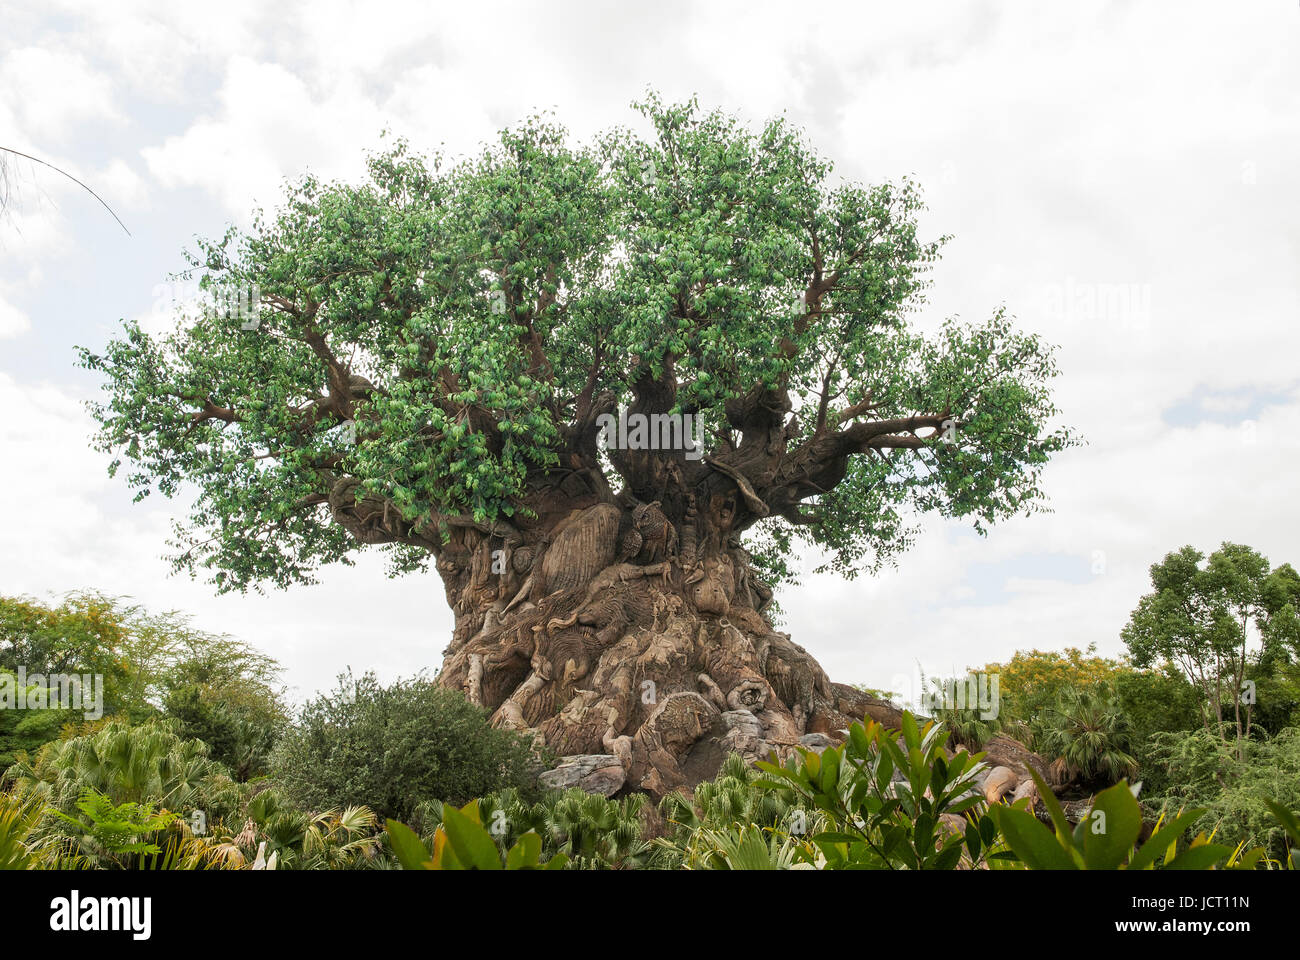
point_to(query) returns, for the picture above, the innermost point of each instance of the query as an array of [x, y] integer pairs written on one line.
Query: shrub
[[393, 748], [1090, 734]]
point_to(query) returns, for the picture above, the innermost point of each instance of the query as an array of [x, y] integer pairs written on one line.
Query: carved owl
[[658, 536]]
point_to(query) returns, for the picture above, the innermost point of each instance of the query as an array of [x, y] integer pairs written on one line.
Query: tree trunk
[[609, 629]]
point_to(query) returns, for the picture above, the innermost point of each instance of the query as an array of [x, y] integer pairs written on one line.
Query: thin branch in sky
[[4, 184]]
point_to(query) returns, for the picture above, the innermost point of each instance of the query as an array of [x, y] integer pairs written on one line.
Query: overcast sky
[[1125, 178]]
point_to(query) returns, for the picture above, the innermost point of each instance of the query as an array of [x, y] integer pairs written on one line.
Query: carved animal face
[[648, 515]]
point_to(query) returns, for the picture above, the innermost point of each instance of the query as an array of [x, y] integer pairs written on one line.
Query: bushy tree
[[219, 688], [86, 633], [435, 355], [392, 747], [27, 730], [1155, 701], [1206, 770], [1207, 615], [1031, 682]]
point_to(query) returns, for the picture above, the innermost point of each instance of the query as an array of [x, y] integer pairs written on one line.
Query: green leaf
[[526, 852], [1160, 841], [473, 845], [1053, 808], [1200, 858], [948, 857], [407, 847], [1290, 823], [1108, 840], [1032, 842]]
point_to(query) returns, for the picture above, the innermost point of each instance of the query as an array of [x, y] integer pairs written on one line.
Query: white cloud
[[1122, 177], [13, 322], [53, 92]]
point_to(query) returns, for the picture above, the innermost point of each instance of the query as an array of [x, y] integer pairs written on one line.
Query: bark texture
[[612, 631]]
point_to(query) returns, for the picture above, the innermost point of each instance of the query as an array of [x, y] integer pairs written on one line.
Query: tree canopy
[[433, 347]]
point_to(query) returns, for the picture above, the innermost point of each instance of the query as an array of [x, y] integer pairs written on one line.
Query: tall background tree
[[427, 369], [1216, 617]]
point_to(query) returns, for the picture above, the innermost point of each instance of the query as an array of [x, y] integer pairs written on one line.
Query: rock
[[744, 735], [852, 702], [1027, 788], [817, 742], [600, 773], [1000, 781], [1003, 751]]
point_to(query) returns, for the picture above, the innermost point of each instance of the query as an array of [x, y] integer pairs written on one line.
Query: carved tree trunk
[[610, 629]]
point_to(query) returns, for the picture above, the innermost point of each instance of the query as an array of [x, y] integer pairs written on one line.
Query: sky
[[1123, 177]]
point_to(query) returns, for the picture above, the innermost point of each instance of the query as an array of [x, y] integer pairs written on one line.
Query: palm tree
[[127, 764], [1089, 736]]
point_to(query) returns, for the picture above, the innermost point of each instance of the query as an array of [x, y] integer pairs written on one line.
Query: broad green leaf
[[407, 847], [1108, 840], [1032, 842], [473, 845]]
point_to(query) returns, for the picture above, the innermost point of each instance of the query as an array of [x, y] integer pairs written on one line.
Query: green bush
[[393, 748], [148, 763], [1204, 770], [1089, 733]]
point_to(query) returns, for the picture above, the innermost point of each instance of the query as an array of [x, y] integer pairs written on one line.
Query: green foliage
[[1156, 701], [27, 730], [85, 634], [1204, 613], [1105, 838], [460, 316], [21, 847], [334, 839], [1291, 826], [392, 748], [593, 832], [967, 725], [1233, 787], [1090, 734], [149, 763], [462, 843], [219, 689], [875, 820], [1031, 682], [719, 809], [105, 831]]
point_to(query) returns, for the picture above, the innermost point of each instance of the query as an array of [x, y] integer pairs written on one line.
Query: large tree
[[1215, 617], [429, 368]]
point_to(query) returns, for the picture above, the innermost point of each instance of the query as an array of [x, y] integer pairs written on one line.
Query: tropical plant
[[1088, 736], [22, 846], [741, 847], [892, 799], [968, 724], [1032, 681], [109, 833], [1105, 838], [149, 763], [716, 808], [593, 831], [462, 843]]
